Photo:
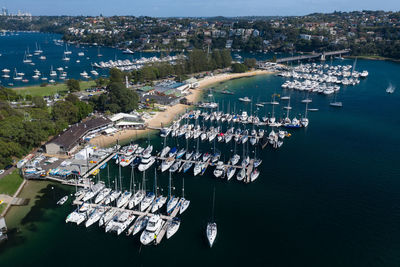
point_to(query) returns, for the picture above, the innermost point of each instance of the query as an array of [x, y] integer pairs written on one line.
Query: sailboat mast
[[288, 109], [155, 183], [183, 187], [169, 186], [108, 175], [213, 204], [120, 179], [130, 185]]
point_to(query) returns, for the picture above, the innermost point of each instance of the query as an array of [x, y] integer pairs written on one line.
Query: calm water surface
[[328, 197]]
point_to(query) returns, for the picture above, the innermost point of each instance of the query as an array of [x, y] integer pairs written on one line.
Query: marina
[[295, 183]]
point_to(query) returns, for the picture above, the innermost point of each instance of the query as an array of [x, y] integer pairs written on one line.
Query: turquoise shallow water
[[328, 197]]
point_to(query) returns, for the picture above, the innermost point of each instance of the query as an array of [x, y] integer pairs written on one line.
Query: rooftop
[[71, 136]]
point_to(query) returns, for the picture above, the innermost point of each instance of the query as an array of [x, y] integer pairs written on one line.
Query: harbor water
[[328, 197], [13, 47]]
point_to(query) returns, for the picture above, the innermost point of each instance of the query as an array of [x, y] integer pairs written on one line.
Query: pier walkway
[[312, 56], [135, 212], [98, 165], [140, 214]]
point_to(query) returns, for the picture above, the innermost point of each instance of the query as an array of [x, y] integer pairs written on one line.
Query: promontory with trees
[[366, 33]]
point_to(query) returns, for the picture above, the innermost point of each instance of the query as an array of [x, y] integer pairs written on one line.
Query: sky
[[194, 8]]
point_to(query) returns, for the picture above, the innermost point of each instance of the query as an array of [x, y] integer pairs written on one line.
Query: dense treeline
[[22, 129], [117, 97], [197, 61]]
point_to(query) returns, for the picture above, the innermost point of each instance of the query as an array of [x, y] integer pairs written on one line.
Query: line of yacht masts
[[243, 118], [182, 160], [116, 211]]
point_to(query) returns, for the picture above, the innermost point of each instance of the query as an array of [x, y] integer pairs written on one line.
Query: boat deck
[[164, 229]]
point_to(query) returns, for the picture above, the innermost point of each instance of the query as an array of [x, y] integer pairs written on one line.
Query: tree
[[226, 58], [100, 82], [38, 102], [121, 99], [72, 98], [65, 111], [73, 85], [238, 68], [250, 62], [116, 76]]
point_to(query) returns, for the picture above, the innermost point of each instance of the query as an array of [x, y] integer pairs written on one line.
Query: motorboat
[[146, 162], [153, 227], [62, 200], [219, 170], [244, 99]]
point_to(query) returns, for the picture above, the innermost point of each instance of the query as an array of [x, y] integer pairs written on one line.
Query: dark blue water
[[328, 197], [13, 47]]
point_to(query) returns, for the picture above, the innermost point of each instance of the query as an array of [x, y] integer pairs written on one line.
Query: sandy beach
[[171, 113]]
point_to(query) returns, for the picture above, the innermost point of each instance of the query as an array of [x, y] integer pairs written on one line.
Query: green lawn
[[2, 207], [49, 89], [10, 183]]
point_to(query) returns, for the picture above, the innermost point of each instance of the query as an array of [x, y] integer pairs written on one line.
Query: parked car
[[8, 167]]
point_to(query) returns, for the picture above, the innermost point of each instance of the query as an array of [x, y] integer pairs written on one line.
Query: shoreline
[[172, 112], [32, 191], [380, 58]]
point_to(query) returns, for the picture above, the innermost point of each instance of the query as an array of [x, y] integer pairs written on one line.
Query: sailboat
[[160, 199], [390, 89], [172, 200], [98, 52], [67, 52], [211, 230], [138, 196], [304, 121], [65, 58], [173, 226], [27, 59], [184, 202], [38, 51], [336, 103]]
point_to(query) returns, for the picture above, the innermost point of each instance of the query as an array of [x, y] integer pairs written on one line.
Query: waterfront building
[[68, 141]]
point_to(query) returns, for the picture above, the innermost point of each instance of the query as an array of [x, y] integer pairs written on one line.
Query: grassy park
[[10, 183], [48, 90]]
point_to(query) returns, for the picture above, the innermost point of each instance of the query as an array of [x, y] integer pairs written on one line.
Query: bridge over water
[[322, 56]]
